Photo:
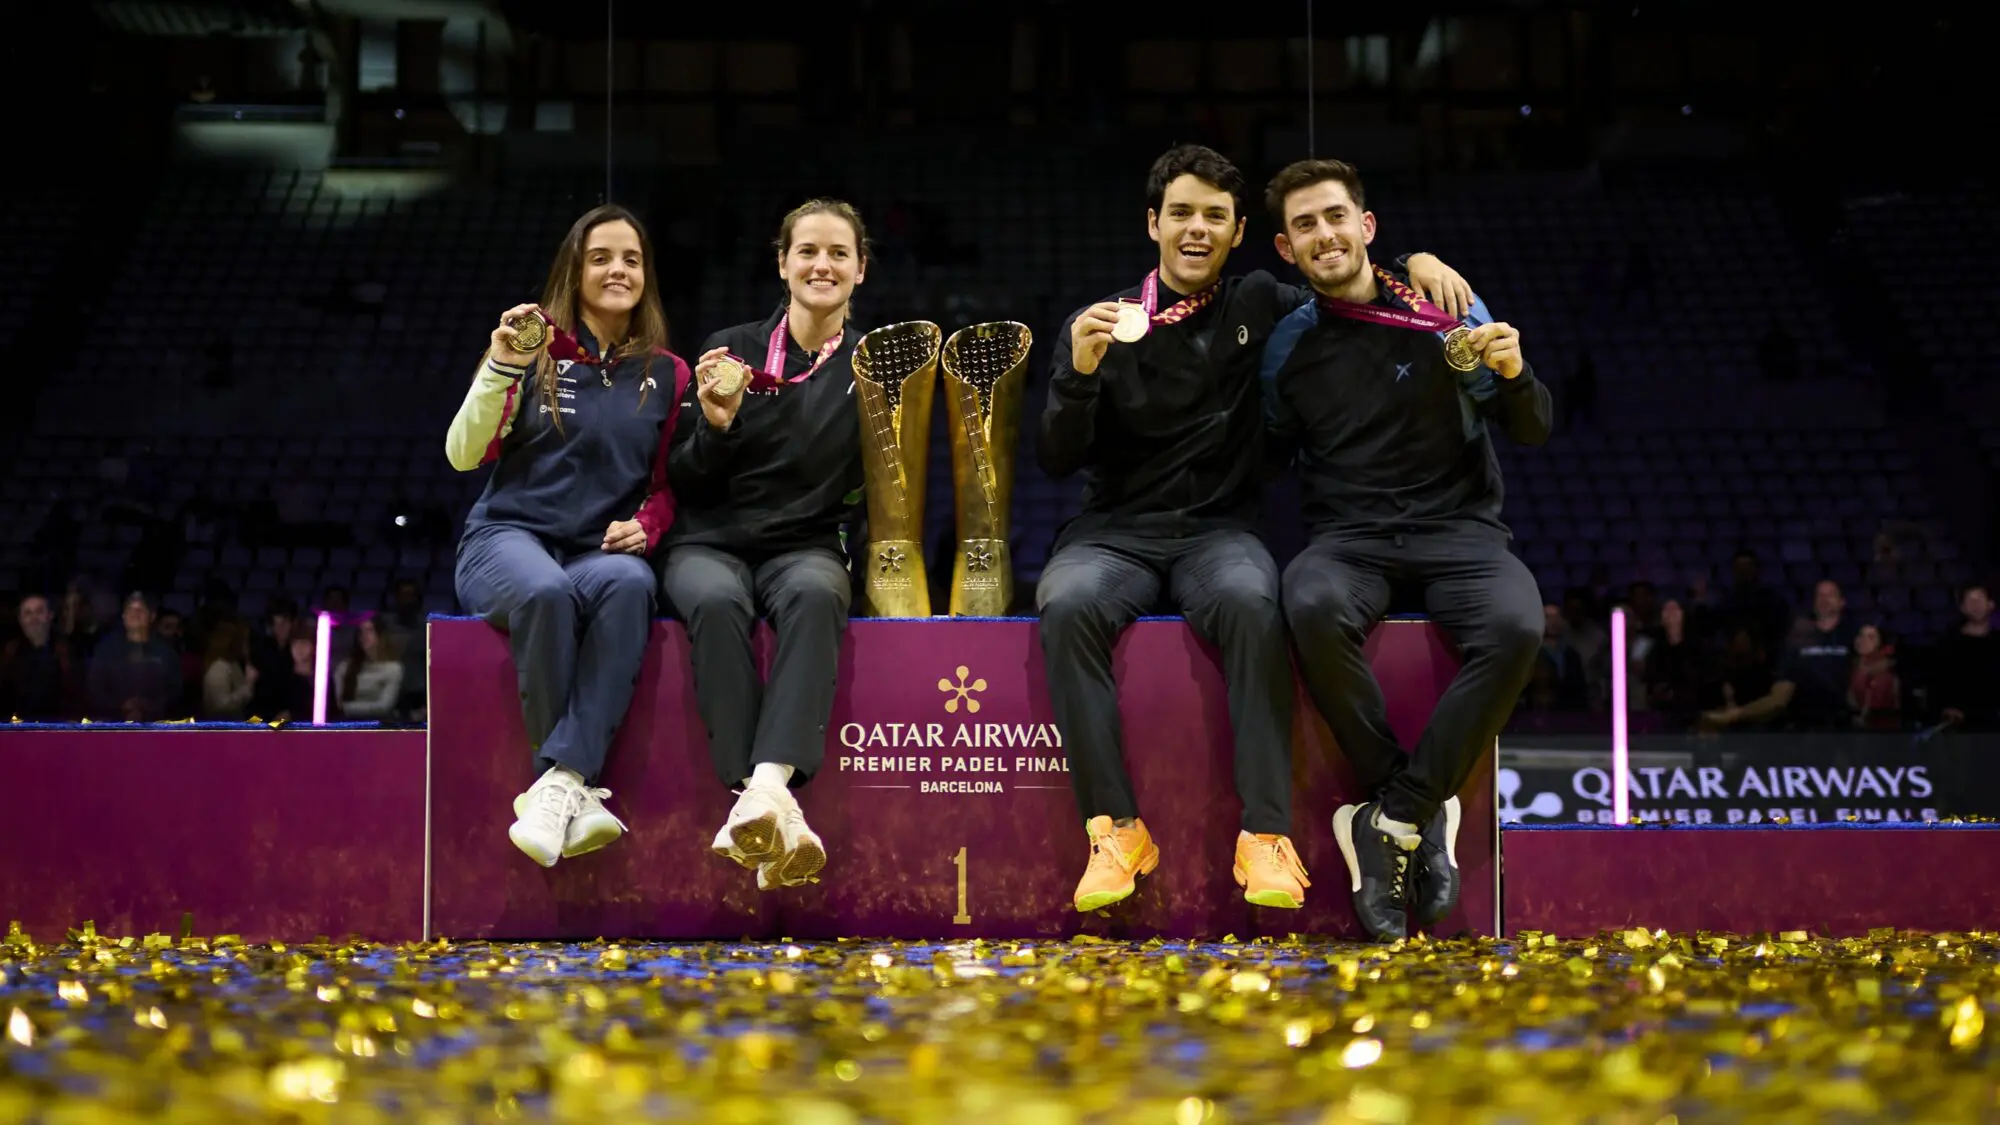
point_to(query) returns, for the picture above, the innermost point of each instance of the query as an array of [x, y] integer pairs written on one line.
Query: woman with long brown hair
[[370, 678], [573, 407], [767, 484]]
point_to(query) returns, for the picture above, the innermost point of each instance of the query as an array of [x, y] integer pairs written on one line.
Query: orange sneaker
[[1118, 856], [1269, 871]]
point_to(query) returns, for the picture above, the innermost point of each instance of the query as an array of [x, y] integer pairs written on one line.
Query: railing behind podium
[[944, 799]]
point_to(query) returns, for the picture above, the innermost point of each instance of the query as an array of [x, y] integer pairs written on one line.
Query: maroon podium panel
[[270, 835], [944, 800], [1828, 880]]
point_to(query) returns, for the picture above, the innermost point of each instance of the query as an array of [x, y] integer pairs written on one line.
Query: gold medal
[[729, 376], [529, 332], [1133, 324], [1458, 350]]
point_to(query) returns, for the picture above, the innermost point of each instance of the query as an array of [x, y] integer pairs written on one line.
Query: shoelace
[[1104, 853], [1402, 861], [555, 804], [1274, 854]]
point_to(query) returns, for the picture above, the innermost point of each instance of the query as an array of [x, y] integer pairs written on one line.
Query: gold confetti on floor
[[1640, 1027]]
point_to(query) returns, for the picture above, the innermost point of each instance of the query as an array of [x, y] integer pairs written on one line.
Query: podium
[[944, 799]]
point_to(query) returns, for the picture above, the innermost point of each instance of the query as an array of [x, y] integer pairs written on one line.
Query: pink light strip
[[1621, 766], [320, 648]]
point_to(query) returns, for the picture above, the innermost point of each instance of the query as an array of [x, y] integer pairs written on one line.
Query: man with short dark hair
[[1383, 400], [134, 676], [40, 680], [1154, 396], [1966, 681]]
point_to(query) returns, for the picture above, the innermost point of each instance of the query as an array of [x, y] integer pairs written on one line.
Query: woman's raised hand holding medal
[[519, 336], [720, 379]]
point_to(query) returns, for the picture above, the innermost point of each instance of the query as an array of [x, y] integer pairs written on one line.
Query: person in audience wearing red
[[767, 483], [554, 550], [41, 679], [1965, 682], [370, 677], [1165, 425], [134, 676], [228, 679], [1384, 402], [1875, 692]]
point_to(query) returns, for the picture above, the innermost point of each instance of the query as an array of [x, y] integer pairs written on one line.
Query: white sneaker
[[592, 826], [803, 857], [543, 815], [752, 836]]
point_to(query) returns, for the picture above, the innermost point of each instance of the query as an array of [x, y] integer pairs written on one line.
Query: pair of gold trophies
[[895, 383], [895, 380]]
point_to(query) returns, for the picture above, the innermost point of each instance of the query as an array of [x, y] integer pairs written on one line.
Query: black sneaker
[[1434, 876], [1378, 868]]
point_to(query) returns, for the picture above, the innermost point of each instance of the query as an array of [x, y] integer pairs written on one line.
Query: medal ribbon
[[562, 346], [774, 357], [1422, 316], [1149, 299]]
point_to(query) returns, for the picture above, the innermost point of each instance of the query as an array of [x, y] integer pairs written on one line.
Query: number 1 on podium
[[964, 916]]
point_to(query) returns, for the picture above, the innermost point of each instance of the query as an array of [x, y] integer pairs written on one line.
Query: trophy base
[[896, 585], [982, 579]]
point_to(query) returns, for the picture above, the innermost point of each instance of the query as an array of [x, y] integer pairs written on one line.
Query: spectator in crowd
[[403, 625], [134, 676], [1674, 669], [336, 602], [1750, 604], [1808, 689], [1744, 693], [294, 700], [170, 629], [1819, 663], [1874, 692], [228, 680], [1642, 607], [40, 677], [370, 678], [1966, 676], [271, 655], [1588, 639], [77, 621], [1563, 683]]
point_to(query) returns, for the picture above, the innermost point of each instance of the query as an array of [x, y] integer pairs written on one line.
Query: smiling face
[[614, 270], [1196, 227], [823, 262], [1326, 234]]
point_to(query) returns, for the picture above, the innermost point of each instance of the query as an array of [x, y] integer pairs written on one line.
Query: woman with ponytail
[[573, 407], [767, 462]]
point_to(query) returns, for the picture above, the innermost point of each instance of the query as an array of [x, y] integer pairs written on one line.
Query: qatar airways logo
[[963, 755]]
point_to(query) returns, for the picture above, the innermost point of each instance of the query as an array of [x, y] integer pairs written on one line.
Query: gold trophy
[[984, 367], [895, 377]]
